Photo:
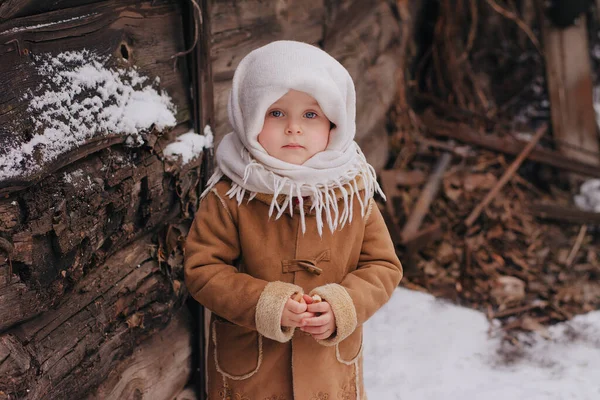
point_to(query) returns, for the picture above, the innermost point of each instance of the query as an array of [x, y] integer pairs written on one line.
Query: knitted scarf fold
[[261, 78]]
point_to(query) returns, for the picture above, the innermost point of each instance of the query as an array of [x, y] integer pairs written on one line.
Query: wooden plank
[[129, 34], [570, 87]]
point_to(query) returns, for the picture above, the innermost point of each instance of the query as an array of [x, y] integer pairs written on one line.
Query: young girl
[[288, 249]]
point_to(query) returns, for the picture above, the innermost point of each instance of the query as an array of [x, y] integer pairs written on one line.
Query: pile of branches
[[487, 240]]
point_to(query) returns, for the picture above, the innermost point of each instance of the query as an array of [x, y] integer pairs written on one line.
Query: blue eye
[[276, 113], [310, 115]]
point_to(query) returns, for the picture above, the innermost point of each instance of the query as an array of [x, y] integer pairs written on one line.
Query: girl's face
[[295, 128]]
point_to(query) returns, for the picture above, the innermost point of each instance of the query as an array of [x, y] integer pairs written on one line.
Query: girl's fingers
[[295, 307], [298, 318], [308, 299], [317, 321], [321, 307]]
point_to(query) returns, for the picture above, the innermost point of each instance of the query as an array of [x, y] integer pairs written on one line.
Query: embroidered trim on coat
[[354, 362], [225, 393]]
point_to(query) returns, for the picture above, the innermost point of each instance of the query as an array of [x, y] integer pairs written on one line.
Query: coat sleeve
[[363, 291], [211, 250]]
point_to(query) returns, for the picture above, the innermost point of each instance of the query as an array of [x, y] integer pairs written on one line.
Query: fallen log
[[563, 213], [507, 145]]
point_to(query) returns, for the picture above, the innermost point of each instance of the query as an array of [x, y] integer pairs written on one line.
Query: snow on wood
[[189, 146], [81, 98]]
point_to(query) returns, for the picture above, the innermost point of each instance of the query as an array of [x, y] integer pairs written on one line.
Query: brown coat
[[243, 267]]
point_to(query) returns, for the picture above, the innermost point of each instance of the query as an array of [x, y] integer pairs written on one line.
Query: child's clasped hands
[[310, 314]]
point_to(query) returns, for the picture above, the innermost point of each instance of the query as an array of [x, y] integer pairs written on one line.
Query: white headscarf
[[264, 76]]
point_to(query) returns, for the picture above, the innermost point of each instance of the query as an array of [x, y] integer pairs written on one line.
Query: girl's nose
[[293, 128]]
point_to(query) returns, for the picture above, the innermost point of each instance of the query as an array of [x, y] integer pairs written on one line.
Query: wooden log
[[129, 34], [159, 367], [69, 350], [570, 87], [77, 217]]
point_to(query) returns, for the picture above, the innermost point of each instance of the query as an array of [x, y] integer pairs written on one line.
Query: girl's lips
[[293, 146]]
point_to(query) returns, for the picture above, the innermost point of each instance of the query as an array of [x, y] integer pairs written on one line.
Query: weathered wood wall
[[94, 249], [94, 238]]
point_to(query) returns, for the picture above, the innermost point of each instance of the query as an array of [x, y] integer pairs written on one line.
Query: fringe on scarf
[[323, 196]]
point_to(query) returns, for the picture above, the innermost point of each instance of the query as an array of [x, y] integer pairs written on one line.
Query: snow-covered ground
[[421, 348]]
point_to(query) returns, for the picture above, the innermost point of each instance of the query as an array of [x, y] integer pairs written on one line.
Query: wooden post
[[570, 87], [202, 89]]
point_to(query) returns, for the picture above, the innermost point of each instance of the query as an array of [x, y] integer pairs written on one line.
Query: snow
[[589, 197], [189, 145], [80, 98], [421, 348]]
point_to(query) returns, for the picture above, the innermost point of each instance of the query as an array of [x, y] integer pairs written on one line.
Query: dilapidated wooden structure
[[93, 213]]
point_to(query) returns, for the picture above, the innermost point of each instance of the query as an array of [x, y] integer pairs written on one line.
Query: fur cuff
[[270, 307], [343, 309]]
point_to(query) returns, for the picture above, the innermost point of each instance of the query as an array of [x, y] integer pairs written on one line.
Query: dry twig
[[520, 23], [506, 177], [576, 246]]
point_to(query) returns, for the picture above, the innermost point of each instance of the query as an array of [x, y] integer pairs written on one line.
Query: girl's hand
[[293, 313], [322, 326]]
